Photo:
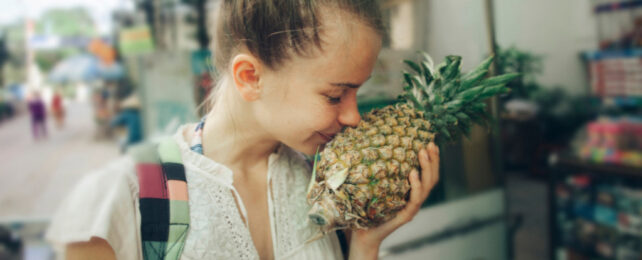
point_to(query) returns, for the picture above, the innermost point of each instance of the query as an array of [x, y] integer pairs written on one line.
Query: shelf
[[604, 169], [611, 54], [609, 7], [619, 101]]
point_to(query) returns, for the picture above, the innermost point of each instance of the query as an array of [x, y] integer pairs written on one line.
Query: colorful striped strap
[[163, 199]]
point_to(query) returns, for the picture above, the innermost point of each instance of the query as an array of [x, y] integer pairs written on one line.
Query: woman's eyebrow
[[347, 84]]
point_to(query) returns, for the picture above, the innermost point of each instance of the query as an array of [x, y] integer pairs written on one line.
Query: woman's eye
[[334, 100]]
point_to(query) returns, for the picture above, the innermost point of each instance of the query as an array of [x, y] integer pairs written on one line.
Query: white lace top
[[105, 204]]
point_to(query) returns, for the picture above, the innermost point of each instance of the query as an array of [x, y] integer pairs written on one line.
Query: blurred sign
[[43, 42], [166, 93], [50, 42], [201, 62], [103, 51], [136, 41]]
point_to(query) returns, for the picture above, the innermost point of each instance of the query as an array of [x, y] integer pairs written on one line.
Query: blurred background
[[557, 175]]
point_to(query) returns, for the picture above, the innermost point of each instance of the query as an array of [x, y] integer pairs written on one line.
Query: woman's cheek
[[327, 117]]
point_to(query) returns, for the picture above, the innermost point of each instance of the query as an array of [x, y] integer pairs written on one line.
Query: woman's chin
[[312, 149]]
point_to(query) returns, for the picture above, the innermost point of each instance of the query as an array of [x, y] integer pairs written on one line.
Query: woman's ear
[[246, 71]]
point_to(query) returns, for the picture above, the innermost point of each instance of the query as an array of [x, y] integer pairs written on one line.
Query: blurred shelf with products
[[595, 187], [595, 209]]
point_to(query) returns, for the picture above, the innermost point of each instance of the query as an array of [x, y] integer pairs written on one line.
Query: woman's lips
[[326, 137]]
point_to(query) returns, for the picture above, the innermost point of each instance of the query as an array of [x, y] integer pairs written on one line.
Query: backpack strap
[[163, 199]]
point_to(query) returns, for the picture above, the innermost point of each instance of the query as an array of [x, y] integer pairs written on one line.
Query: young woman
[[290, 71]]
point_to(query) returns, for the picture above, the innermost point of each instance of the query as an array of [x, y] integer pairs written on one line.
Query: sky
[[14, 10]]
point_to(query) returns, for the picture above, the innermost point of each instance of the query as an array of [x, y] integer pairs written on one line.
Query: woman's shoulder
[[102, 204], [115, 180], [121, 171]]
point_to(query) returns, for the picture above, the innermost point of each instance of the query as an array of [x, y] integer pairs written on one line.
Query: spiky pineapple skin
[[379, 154], [361, 179]]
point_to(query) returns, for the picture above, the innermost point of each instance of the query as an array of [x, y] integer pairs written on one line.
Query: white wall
[[558, 30], [441, 28], [455, 27]]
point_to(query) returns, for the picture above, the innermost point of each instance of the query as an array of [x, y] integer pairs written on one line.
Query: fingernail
[[425, 155]]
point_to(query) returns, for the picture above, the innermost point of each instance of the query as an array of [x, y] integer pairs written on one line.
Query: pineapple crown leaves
[[452, 102]]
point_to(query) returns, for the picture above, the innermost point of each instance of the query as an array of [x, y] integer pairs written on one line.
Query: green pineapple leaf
[[501, 79], [472, 78], [414, 66]]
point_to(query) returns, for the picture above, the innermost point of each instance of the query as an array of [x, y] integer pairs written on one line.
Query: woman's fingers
[[424, 163], [429, 162], [416, 198], [434, 163]]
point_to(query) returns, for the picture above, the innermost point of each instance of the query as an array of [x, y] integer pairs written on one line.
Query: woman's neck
[[233, 138]]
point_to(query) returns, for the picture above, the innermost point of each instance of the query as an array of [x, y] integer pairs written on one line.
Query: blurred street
[[36, 175]]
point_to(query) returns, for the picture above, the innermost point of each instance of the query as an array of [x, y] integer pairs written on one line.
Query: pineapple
[[360, 179]]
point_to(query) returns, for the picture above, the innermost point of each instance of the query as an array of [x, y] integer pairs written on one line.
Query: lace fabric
[[213, 210], [109, 199]]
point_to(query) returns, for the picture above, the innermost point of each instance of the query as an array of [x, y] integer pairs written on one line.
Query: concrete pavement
[[36, 175]]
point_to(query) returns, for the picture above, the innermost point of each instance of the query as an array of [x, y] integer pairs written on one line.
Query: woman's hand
[[364, 244]]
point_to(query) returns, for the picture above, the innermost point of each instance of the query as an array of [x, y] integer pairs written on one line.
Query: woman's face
[[310, 99]]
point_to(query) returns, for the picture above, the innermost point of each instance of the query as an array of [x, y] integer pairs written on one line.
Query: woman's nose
[[349, 115]]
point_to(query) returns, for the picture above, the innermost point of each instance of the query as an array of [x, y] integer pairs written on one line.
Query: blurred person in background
[[38, 112], [102, 114], [288, 85], [129, 117], [58, 109], [6, 108], [11, 246]]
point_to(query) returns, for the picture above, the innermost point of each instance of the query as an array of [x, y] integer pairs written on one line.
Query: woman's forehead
[[348, 50]]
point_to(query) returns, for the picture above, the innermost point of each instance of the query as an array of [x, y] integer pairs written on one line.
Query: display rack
[[594, 210]]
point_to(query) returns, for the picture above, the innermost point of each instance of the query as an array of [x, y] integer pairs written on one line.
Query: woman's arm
[[96, 248]]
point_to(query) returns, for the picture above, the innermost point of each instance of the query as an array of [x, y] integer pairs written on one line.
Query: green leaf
[[479, 107], [454, 105], [445, 133], [438, 122], [415, 102], [450, 119], [441, 68], [452, 69], [485, 64], [428, 60], [448, 88], [501, 79], [464, 127], [373, 201], [462, 117], [436, 100], [470, 94], [314, 169], [407, 78], [413, 66], [417, 80], [472, 78], [492, 91], [427, 72]]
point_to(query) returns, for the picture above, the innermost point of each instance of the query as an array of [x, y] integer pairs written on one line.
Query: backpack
[[163, 199]]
